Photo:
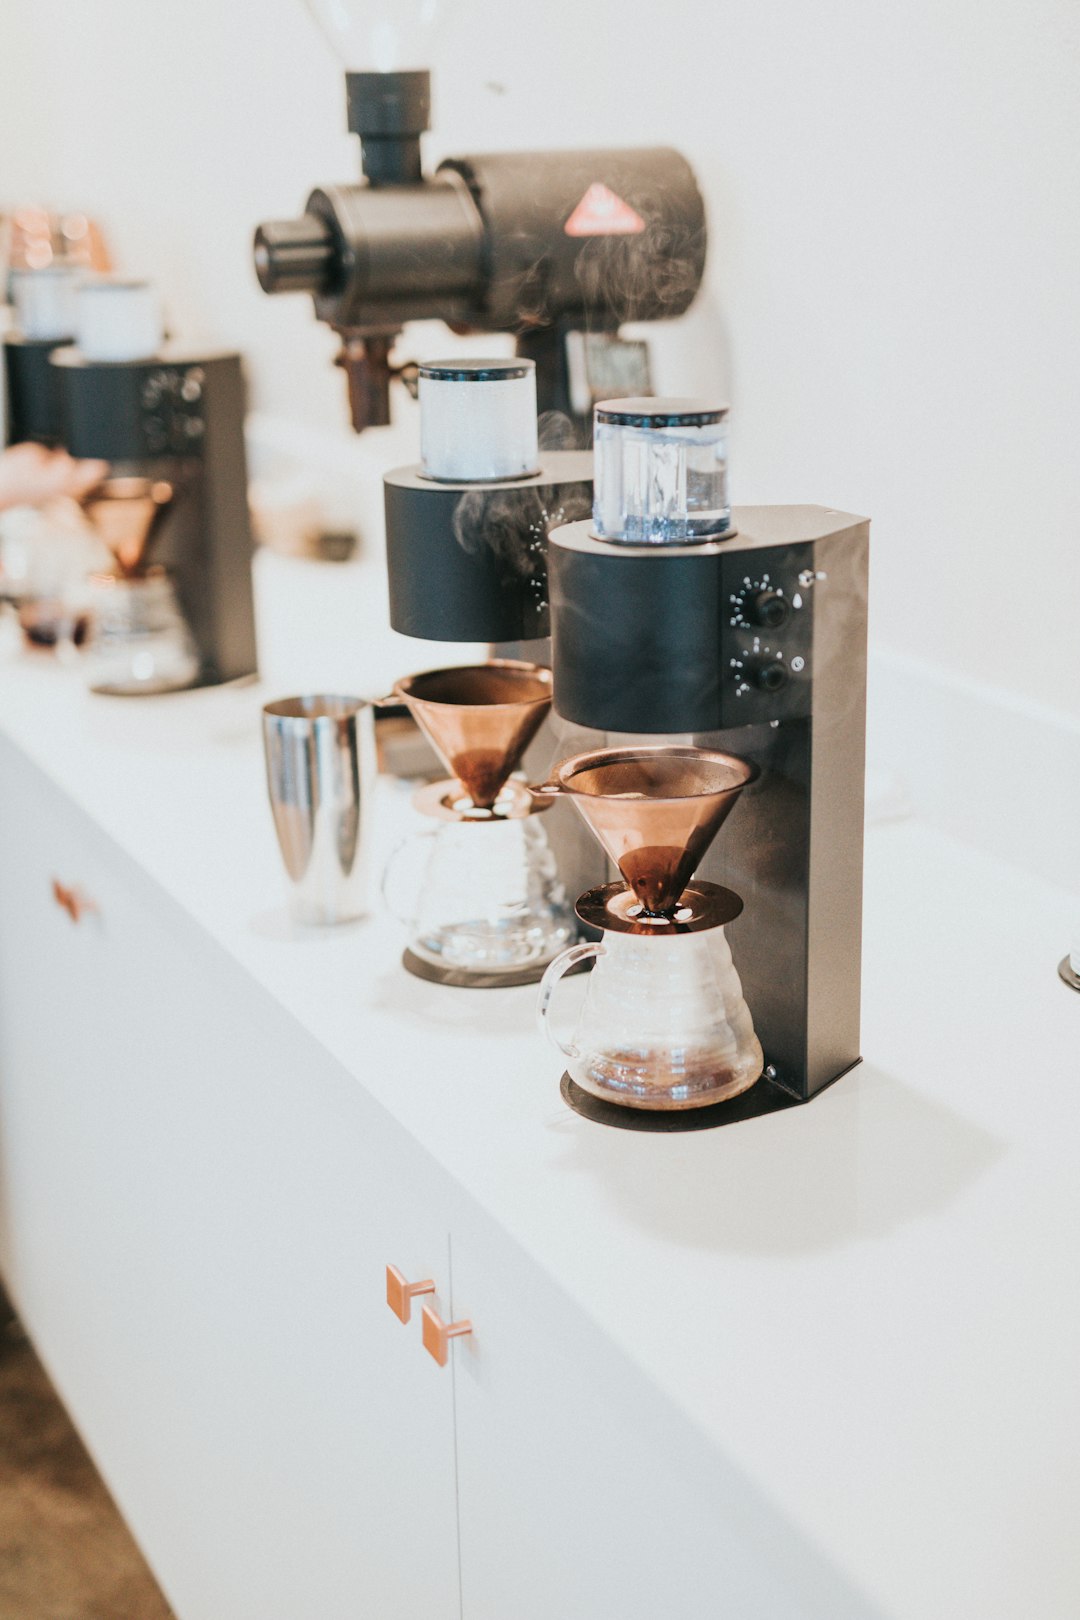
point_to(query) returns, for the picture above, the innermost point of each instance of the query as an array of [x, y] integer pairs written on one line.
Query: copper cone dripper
[[127, 513], [655, 810], [479, 718]]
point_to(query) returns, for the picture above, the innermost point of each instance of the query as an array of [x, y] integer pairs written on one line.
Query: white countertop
[[870, 1303]]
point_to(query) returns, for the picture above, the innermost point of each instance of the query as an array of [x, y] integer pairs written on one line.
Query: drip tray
[[762, 1098]]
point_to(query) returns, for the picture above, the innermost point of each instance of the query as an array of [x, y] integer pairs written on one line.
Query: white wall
[[894, 194]]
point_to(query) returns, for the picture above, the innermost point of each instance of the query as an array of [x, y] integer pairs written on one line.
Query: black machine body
[[468, 562], [757, 645], [179, 416], [547, 246], [33, 404]]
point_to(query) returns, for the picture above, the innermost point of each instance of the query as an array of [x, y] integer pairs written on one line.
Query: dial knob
[[767, 674], [767, 608]]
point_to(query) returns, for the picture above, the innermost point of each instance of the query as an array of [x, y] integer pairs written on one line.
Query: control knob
[[767, 608], [767, 674]]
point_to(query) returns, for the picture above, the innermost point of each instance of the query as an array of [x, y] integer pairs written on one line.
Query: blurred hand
[[30, 475]]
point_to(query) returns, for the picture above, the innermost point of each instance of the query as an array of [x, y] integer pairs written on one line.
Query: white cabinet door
[[583, 1494], [196, 1209]]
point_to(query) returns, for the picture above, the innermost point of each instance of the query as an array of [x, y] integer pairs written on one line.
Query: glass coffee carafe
[[487, 906], [137, 639], [663, 1024], [487, 899]]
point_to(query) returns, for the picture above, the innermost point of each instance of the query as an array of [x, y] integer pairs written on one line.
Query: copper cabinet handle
[[400, 1293], [72, 900], [437, 1334]]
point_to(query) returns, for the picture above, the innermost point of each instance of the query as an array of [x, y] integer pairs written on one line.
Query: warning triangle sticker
[[602, 213]]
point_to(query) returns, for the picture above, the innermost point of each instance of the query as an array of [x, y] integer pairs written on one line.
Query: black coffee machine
[[557, 248], [169, 421], [676, 619]]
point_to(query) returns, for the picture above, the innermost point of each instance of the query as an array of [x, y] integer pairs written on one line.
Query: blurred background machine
[[170, 423], [89, 371]]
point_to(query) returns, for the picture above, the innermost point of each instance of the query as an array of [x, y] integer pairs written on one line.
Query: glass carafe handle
[[390, 870], [555, 970]]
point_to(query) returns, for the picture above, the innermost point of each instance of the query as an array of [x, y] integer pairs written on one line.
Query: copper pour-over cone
[[479, 718], [126, 512], [655, 810]]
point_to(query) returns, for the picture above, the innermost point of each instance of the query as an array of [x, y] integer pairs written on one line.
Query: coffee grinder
[[556, 248], [177, 609], [679, 622]]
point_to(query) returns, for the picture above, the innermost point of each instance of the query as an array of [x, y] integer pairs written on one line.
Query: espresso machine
[[176, 609], [556, 248], [691, 639]]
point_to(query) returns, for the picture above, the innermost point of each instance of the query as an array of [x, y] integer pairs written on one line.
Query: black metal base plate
[[462, 979], [762, 1098], [1065, 968]]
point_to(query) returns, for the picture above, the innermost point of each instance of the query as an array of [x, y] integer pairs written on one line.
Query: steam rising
[[649, 275], [645, 274], [513, 524]]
